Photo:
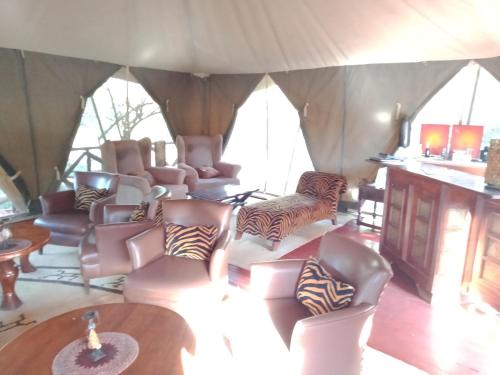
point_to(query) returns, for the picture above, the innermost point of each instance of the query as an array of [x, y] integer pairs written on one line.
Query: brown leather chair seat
[[164, 281]]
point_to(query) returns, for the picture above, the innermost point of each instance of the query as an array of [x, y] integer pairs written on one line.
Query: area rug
[[251, 249]]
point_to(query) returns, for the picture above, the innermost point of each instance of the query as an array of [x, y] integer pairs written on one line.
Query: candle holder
[[95, 353]]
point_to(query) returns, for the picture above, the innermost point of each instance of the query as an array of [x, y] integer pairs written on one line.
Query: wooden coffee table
[[160, 333], [37, 237], [236, 195]]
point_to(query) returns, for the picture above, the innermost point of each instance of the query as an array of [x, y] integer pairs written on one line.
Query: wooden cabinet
[[486, 263], [426, 230]]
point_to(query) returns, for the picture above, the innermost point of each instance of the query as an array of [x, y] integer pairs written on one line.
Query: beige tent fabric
[[15, 137], [346, 111], [179, 95], [57, 87], [194, 105], [491, 65], [228, 92], [318, 95]]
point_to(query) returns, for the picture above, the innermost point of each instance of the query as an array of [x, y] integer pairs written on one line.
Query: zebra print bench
[[316, 199]]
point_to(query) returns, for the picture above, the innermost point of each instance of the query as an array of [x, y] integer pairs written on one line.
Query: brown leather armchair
[[103, 251], [332, 342], [68, 225], [204, 151], [178, 283], [132, 160]]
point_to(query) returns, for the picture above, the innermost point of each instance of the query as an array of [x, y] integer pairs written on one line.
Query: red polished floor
[[436, 339]]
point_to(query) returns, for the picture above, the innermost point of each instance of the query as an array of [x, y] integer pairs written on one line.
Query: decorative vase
[[492, 174]]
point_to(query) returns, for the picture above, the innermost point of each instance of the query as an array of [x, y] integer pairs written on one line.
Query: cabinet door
[[394, 217], [424, 203], [486, 273]]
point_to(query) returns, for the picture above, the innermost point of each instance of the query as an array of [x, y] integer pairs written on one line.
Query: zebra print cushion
[[86, 195], [319, 291], [158, 219], [195, 242], [139, 213]]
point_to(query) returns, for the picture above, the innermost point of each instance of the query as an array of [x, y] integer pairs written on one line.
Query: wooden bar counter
[[442, 228]]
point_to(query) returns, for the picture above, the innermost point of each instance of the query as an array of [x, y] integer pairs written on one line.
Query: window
[[268, 142], [120, 109], [469, 98]]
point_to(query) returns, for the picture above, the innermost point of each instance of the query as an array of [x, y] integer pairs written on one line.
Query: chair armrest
[[111, 239], [167, 175], [59, 201], [96, 212], [338, 337], [117, 213], [227, 169], [191, 174], [275, 279], [218, 260], [146, 247]]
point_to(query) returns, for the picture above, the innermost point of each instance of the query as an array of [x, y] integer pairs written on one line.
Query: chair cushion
[[319, 291], [140, 212], [168, 279], [86, 195], [196, 242], [208, 183], [70, 222], [207, 172]]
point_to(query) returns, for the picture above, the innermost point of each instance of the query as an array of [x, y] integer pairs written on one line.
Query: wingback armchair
[[103, 251], [132, 160], [332, 342], [179, 283], [197, 152], [67, 224]]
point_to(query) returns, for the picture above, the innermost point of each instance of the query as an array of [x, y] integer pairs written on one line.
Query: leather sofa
[[68, 225], [195, 152], [331, 343]]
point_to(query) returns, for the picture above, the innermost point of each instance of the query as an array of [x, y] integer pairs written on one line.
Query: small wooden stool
[[371, 193]]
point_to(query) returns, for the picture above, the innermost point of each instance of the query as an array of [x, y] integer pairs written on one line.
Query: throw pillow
[[140, 212], [158, 215], [195, 242], [207, 172], [86, 195], [319, 291]]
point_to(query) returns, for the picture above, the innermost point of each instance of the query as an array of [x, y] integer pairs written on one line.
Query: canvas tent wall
[[41, 94]]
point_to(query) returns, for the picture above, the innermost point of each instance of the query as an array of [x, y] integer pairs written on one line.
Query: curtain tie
[[166, 105], [82, 102], [304, 111]]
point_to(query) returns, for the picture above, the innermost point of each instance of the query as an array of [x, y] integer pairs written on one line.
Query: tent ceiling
[[242, 36]]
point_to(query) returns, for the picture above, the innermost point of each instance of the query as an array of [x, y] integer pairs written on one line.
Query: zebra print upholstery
[[316, 199], [319, 291], [86, 195]]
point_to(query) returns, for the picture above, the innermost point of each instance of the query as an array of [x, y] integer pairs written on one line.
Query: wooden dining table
[[26, 238]]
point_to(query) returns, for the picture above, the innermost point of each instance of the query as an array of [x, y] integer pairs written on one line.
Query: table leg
[[8, 276], [26, 266]]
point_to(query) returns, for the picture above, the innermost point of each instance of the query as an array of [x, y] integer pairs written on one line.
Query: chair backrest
[[126, 157], [322, 185], [97, 180], [357, 265], [190, 212], [199, 150]]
